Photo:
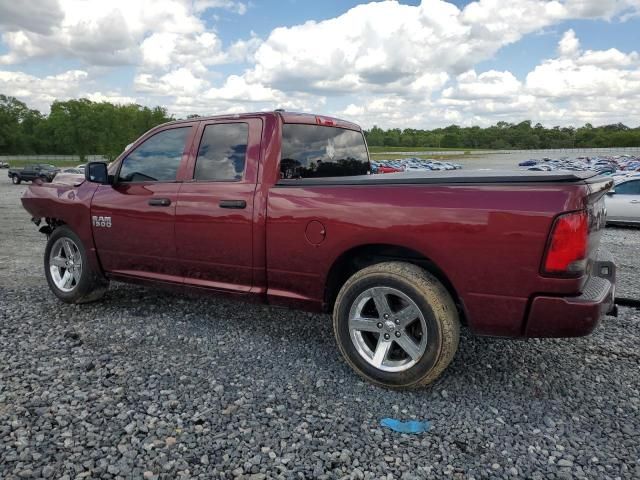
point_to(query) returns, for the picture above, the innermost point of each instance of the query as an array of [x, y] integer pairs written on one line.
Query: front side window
[[222, 152], [157, 159], [320, 151], [628, 188]]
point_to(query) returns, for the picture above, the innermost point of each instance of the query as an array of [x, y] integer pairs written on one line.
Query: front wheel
[[396, 325], [69, 275], [16, 179]]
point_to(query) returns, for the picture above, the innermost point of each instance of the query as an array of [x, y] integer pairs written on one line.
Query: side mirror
[[611, 192], [96, 172]]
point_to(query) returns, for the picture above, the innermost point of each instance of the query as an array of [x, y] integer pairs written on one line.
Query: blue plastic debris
[[412, 426]]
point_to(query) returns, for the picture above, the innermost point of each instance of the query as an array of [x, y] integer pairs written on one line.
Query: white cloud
[[376, 45], [233, 6], [491, 84], [40, 92], [39, 17], [612, 58], [106, 32], [582, 77], [236, 88], [111, 97], [569, 45], [180, 81], [166, 49], [574, 88], [383, 62]]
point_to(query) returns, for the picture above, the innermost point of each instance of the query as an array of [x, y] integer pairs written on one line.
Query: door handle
[[635, 201], [240, 204], [160, 202]]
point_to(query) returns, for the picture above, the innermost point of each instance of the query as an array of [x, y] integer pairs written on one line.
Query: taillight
[[568, 246]]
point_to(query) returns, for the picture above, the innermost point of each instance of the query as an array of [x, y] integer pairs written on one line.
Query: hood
[[69, 179]]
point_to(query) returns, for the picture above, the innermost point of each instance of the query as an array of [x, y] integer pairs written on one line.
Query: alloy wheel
[[387, 329], [65, 264]]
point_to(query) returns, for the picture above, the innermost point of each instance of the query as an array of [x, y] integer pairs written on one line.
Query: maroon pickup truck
[[281, 208]]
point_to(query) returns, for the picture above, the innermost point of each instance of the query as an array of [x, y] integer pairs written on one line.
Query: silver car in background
[[623, 201]]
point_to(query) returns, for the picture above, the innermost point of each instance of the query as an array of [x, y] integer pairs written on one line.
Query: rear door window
[[157, 159], [320, 151], [222, 152]]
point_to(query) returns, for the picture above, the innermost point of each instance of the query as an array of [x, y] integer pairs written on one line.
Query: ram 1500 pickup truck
[[41, 171], [281, 208]]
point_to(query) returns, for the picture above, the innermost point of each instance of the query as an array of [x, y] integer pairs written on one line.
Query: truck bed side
[[487, 239]]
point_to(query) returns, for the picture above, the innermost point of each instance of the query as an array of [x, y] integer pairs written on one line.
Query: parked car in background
[[76, 170], [623, 201], [4, 165], [388, 169], [81, 167], [280, 208], [41, 171]]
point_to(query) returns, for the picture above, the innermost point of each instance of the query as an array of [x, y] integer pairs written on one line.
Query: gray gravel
[[146, 384]]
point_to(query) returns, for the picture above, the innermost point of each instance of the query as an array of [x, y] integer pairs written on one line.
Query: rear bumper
[[576, 316]]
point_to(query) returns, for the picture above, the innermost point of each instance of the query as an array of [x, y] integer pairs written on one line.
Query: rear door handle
[[160, 202], [233, 204], [635, 201]]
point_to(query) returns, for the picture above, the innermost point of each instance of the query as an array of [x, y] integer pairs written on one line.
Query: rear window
[[318, 151]]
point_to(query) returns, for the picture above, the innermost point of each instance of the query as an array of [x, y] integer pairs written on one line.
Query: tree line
[[506, 135], [82, 127], [74, 127]]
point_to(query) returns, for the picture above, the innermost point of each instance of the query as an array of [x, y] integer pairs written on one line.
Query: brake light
[[325, 121], [568, 246]]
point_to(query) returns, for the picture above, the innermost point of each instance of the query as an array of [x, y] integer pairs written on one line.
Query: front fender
[[66, 200]]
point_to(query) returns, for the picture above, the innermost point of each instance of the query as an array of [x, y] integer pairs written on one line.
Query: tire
[[404, 291], [86, 285], [16, 179]]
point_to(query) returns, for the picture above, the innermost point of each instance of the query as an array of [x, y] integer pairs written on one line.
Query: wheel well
[[363, 256], [51, 225]]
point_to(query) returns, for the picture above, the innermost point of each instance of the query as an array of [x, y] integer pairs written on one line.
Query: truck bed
[[447, 177]]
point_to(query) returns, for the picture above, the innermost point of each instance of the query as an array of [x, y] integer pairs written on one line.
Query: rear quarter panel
[[487, 239]]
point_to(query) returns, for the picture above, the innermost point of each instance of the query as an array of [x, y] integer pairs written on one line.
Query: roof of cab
[[287, 117]]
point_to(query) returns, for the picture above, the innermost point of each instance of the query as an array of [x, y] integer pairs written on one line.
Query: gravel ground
[[149, 384]]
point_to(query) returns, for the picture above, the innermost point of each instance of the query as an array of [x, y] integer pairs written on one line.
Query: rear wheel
[[396, 325], [16, 179], [69, 275]]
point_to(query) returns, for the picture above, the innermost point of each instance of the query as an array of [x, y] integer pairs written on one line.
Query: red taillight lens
[[568, 246]]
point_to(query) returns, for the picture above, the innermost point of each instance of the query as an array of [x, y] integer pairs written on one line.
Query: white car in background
[[623, 201]]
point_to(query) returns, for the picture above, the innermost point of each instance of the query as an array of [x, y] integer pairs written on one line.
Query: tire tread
[[436, 295]]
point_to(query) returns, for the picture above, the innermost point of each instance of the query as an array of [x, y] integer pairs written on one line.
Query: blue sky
[[408, 64]]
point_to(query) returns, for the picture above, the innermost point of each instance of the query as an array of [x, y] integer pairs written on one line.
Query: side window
[[320, 151], [222, 152], [628, 188], [157, 158]]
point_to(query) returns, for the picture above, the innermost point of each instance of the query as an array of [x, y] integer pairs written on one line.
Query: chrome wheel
[[65, 264], [388, 329]]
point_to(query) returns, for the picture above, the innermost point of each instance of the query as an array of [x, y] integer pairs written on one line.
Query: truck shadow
[[300, 347]]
